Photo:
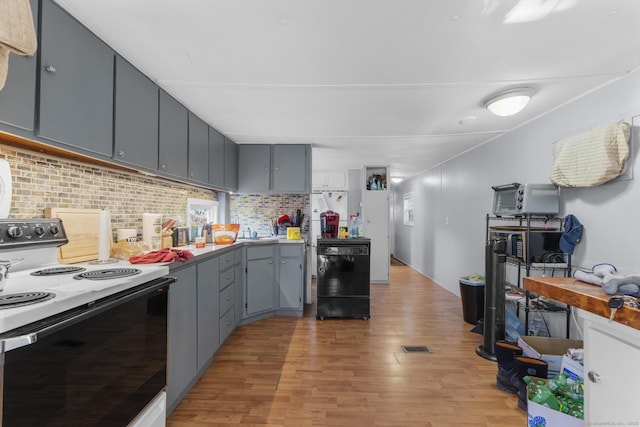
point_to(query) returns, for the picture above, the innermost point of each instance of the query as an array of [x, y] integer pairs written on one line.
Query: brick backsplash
[[41, 182], [258, 211]]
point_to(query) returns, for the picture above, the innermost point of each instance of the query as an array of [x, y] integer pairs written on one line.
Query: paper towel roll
[[122, 234], [152, 230], [104, 236]]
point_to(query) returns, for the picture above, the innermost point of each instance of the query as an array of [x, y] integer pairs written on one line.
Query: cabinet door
[[239, 285], [182, 355], [375, 210], [254, 168], [136, 117], [611, 352], [290, 169], [18, 96], [291, 280], [216, 158], [76, 84], [208, 311], [260, 279], [198, 149], [174, 129], [230, 165]]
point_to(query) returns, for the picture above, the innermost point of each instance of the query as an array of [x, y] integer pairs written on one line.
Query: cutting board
[[82, 227]]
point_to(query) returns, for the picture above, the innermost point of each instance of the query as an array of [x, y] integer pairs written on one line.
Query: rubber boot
[[531, 367], [507, 378]]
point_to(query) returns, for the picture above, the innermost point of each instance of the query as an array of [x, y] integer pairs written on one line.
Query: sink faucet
[[249, 230]]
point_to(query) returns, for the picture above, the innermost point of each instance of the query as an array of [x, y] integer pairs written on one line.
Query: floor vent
[[416, 349]]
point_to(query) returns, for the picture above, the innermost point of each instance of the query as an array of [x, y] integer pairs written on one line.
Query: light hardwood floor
[[287, 371]]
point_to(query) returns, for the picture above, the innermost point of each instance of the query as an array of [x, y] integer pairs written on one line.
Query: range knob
[[54, 229], [38, 230], [14, 231]]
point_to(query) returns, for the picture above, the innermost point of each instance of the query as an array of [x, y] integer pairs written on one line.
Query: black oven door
[[95, 366]]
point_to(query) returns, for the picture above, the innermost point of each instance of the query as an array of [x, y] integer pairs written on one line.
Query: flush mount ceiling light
[[509, 102]]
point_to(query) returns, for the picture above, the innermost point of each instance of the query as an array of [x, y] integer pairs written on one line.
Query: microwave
[[524, 199], [543, 247]]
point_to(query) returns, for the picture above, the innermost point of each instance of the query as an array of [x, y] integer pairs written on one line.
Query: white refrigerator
[[321, 202]]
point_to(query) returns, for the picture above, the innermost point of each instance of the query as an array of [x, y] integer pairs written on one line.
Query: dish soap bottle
[[359, 226]]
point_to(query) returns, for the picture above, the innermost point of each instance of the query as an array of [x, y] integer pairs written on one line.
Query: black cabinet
[[76, 84], [174, 127], [198, 149], [18, 97], [136, 117], [230, 165], [216, 158]]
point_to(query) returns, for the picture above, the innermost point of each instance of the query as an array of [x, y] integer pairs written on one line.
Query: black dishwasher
[[342, 279]]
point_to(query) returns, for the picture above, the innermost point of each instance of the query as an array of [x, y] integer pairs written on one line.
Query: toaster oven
[[525, 199]]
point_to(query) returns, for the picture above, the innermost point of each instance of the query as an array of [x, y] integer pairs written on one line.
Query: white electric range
[[89, 340], [36, 286]]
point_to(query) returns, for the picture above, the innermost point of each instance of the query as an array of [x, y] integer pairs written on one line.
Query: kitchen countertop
[[581, 295], [211, 249]]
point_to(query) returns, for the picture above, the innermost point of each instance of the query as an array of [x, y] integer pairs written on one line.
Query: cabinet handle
[[121, 154], [228, 323], [277, 167], [163, 166], [283, 261], [270, 262], [228, 299], [50, 69], [192, 174], [594, 377]]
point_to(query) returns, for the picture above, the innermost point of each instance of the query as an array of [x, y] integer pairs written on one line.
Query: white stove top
[[69, 292]]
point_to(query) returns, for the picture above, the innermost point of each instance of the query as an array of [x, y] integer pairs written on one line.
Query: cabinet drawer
[[226, 300], [227, 323], [226, 278], [226, 260], [290, 250], [259, 252]]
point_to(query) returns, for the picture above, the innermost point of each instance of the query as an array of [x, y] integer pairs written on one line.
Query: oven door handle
[[8, 344]]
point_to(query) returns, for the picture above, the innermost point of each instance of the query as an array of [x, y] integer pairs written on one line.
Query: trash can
[[472, 296]]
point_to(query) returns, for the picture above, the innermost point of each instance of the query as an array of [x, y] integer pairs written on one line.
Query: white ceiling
[[369, 81]]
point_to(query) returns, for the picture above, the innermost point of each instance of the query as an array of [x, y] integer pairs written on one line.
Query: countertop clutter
[[582, 295]]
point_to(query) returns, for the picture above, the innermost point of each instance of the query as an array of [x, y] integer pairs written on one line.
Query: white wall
[[451, 200]]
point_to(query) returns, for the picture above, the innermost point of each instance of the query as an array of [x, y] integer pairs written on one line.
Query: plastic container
[[225, 234], [472, 296]]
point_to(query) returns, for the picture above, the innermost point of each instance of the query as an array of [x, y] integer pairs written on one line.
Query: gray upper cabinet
[[231, 160], [198, 149], [274, 169], [136, 117], [216, 159], [173, 143], [76, 84], [254, 168], [18, 97], [290, 169]]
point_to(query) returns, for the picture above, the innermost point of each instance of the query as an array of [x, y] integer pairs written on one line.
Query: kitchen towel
[[152, 230], [17, 32], [163, 255]]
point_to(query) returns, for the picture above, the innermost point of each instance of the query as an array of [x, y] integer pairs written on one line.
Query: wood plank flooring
[[287, 371]]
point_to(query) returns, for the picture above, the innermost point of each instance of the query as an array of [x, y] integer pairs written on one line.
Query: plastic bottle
[[359, 226], [541, 394], [537, 325], [353, 226]]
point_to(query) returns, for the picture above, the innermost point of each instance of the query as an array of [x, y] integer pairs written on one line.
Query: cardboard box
[[539, 415], [572, 368], [548, 349]]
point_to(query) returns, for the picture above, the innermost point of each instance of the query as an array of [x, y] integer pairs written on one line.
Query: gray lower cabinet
[[173, 137], [231, 162], [227, 295], [260, 279], [76, 84], [182, 363], [208, 300], [198, 150], [18, 96], [291, 276], [136, 117], [216, 159], [239, 283]]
